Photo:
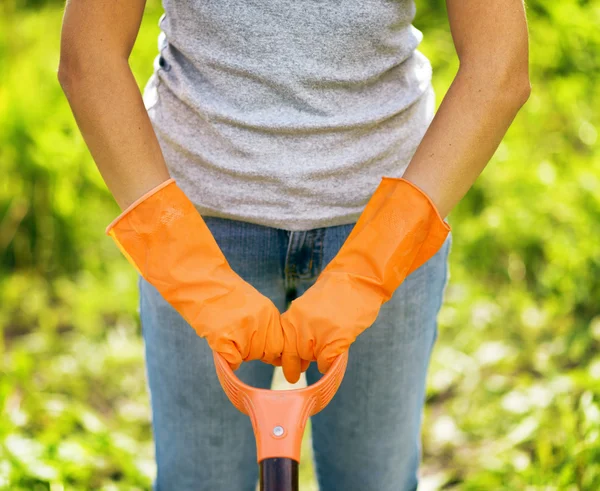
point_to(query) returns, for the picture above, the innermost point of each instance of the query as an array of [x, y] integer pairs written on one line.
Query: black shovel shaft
[[278, 475]]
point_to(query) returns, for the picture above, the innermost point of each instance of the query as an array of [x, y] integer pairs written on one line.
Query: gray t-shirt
[[287, 113]]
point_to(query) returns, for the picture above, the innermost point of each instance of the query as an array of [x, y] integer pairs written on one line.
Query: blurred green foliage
[[513, 399]]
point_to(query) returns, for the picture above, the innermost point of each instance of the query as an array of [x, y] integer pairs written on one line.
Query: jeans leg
[[368, 437], [203, 443]]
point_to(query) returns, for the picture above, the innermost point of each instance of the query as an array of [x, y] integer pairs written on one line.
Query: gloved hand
[[167, 241], [399, 230]]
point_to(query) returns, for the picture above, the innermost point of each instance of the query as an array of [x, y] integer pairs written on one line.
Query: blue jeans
[[366, 439]]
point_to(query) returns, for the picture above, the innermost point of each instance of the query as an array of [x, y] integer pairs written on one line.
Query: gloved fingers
[[274, 342], [259, 335], [293, 360], [270, 333], [304, 364], [250, 343], [323, 363], [292, 366], [330, 352], [229, 352], [272, 359], [290, 359]]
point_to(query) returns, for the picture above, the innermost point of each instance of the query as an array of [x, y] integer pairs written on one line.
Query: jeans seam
[[140, 301], [309, 274], [288, 276], [320, 240], [445, 282], [312, 255]]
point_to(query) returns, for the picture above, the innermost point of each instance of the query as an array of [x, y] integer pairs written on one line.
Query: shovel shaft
[[278, 474]]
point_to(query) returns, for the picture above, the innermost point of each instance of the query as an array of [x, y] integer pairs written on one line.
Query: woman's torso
[[287, 113]]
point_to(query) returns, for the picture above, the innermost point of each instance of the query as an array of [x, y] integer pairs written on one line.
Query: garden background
[[513, 399]]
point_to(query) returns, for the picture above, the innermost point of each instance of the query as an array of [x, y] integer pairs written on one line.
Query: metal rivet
[[278, 431]]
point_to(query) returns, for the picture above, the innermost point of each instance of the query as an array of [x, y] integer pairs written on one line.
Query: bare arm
[[96, 41], [490, 87]]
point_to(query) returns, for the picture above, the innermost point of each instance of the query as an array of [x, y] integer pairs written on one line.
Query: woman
[[288, 151]]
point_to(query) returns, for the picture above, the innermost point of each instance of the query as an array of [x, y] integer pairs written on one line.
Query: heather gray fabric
[[287, 113]]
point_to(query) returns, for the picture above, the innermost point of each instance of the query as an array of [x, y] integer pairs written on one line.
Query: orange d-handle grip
[[279, 416]]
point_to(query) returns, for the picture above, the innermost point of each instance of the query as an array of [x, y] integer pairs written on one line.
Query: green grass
[[513, 398]]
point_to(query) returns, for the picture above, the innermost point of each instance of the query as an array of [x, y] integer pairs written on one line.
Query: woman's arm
[[490, 87], [97, 39]]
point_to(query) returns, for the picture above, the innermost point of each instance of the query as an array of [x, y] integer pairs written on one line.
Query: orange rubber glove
[[399, 230], [165, 238]]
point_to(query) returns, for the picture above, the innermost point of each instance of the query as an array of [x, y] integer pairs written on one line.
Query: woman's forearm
[[96, 41], [491, 85], [109, 110], [464, 134]]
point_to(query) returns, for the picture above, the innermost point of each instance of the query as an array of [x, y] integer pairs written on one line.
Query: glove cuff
[[441, 221], [137, 202], [437, 233], [399, 229]]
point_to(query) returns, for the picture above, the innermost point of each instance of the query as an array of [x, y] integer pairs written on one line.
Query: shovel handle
[[279, 416]]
